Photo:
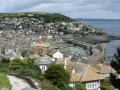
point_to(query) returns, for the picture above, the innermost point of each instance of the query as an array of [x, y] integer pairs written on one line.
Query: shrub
[[57, 73], [79, 86], [107, 88], [5, 60]]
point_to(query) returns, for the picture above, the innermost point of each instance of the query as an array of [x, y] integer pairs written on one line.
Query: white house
[[58, 55], [49, 37], [87, 75], [82, 73]]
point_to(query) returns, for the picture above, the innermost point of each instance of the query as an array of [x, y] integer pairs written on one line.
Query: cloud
[[84, 8]]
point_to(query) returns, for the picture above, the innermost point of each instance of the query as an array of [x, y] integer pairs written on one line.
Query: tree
[[79, 86], [57, 74], [85, 28], [5, 60], [63, 86], [24, 53], [115, 63]]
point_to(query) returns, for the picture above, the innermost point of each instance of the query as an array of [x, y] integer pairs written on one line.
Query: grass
[[4, 82], [107, 88], [45, 84], [106, 85]]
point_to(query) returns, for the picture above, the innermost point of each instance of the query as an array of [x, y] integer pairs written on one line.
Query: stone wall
[[95, 59]]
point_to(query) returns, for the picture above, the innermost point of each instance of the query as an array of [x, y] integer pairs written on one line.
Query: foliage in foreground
[[57, 73], [20, 67], [60, 77], [107, 88], [46, 85], [63, 86], [4, 81], [79, 86], [115, 78], [106, 85], [56, 77]]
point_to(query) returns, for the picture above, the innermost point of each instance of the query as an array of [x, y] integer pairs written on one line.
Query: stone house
[[8, 49], [43, 63], [82, 73]]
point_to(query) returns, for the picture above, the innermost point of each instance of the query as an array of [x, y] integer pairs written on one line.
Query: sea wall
[[95, 59]]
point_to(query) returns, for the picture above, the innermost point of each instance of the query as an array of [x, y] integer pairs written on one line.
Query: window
[[90, 85], [43, 68], [93, 85], [87, 86]]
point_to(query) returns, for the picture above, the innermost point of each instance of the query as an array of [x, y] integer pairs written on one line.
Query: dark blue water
[[110, 26]]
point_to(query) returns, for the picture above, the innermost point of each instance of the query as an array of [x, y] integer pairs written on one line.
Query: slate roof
[[9, 46], [105, 69], [90, 75], [83, 72], [43, 61]]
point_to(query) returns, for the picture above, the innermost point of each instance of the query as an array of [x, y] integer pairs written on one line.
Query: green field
[[4, 82]]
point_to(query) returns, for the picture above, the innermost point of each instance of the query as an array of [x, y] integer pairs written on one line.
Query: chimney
[[73, 71], [65, 63]]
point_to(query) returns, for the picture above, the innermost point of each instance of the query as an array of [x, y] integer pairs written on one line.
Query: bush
[[46, 85], [19, 62], [5, 60], [107, 88], [4, 82], [24, 53], [64, 86], [26, 68], [57, 73], [79, 86], [41, 78]]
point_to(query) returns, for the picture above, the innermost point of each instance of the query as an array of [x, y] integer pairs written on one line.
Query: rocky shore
[[96, 39]]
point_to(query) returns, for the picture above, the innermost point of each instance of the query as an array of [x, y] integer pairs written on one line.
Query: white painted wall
[[43, 68], [107, 75], [93, 85], [72, 85], [9, 51]]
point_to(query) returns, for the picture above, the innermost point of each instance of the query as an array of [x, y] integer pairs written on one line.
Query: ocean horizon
[[111, 26]]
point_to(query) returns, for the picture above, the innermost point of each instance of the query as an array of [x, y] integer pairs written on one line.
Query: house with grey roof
[[43, 63], [105, 70], [8, 49], [83, 73]]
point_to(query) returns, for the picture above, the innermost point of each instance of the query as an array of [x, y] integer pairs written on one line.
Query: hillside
[[48, 23], [48, 17]]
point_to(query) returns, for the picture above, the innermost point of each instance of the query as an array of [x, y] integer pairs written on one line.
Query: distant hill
[[48, 17]]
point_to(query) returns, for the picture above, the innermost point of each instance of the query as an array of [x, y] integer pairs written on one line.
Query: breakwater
[[94, 59], [99, 58]]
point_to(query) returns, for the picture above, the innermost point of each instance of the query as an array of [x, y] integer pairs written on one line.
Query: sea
[[110, 26]]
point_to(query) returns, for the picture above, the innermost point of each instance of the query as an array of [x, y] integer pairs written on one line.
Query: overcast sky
[[73, 8]]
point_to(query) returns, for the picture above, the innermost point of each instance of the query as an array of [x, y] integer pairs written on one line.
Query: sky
[[105, 9]]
